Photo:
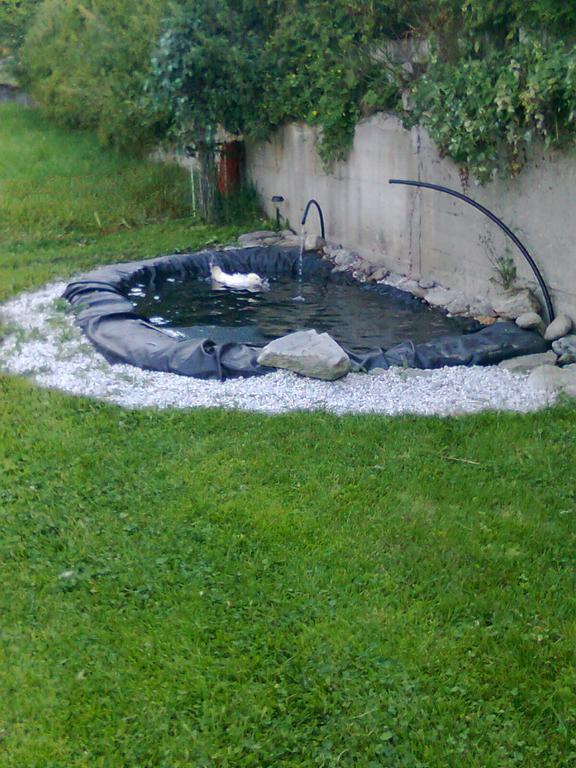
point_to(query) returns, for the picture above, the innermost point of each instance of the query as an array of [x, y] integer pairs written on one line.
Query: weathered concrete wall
[[426, 233]]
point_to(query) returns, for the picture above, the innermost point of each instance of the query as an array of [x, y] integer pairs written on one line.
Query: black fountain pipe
[[522, 248], [308, 204]]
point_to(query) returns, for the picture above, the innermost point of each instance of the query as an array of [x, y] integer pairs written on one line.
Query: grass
[[66, 205], [226, 590]]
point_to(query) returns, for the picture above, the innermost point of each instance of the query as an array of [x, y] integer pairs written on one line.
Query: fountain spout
[[320, 214]]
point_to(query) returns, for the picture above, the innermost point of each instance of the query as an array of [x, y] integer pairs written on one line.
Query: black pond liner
[[109, 320]]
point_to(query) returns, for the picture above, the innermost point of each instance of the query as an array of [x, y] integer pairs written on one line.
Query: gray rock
[[366, 268], [254, 237], [411, 286], [331, 250], [439, 297], [344, 258], [527, 363], [558, 328], [566, 348], [530, 321], [479, 306], [426, 284], [379, 274], [511, 304], [308, 353], [313, 242], [290, 240], [553, 379], [459, 304], [395, 279]]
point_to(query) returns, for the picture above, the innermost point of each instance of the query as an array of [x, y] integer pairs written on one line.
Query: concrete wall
[[425, 233]]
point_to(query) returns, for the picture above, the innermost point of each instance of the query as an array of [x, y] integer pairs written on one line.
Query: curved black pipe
[[305, 216], [522, 248]]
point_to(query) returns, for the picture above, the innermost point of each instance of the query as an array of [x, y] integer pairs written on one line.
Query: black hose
[[522, 248], [305, 216]]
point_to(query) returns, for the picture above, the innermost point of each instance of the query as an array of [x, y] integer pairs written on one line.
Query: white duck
[[251, 281]]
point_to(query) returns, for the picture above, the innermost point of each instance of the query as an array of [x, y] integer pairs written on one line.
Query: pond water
[[359, 317]]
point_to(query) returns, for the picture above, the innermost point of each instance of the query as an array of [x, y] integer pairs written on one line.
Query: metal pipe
[[521, 247], [305, 216]]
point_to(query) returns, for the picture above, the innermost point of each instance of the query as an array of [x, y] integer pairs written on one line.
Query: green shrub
[[15, 17], [87, 63]]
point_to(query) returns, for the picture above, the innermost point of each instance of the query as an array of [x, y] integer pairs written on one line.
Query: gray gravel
[[44, 345]]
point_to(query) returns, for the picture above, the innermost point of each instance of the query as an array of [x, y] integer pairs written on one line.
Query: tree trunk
[[207, 182]]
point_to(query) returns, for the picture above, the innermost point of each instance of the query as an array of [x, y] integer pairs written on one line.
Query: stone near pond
[[566, 348], [344, 258], [292, 241], [394, 279], [313, 242], [308, 353], [553, 379], [459, 305], [331, 250], [379, 274], [531, 321], [511, 304], [255, 237], [427, 284], [527, 363], [485, 319], [366, 268], [480, 306], [411, 286], [439, 297], [559, 327]]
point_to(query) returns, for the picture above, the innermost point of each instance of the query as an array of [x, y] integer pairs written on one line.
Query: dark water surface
[[359, 317]]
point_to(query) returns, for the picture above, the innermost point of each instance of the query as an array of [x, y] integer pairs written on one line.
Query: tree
[[207, 74]]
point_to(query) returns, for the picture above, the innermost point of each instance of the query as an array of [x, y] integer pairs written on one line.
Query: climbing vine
[[486, 111]]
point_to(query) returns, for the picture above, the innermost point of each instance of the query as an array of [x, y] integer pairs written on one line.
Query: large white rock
[[558, 328], [527, 363], [308, 353], [553, 379], [511, 304]]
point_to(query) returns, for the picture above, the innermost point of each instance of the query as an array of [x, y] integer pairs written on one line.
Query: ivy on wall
[[486, 111]]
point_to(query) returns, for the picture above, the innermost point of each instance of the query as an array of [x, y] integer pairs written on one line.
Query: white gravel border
[[43, 344]]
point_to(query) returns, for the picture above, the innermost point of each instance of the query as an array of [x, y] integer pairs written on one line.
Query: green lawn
[[214, 589]]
